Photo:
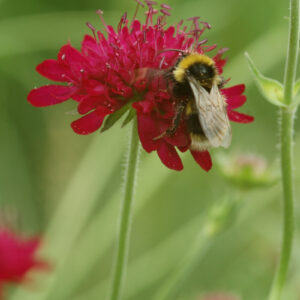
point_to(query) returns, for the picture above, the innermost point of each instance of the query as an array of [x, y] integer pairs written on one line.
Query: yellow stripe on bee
[[199, 142], [188, 109], [186, 62]]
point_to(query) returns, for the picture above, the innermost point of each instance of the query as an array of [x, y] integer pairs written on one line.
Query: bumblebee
[[195, 87]]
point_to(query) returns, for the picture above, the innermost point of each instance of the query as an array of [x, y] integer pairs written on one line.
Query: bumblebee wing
[[212, 114], [221, 112]]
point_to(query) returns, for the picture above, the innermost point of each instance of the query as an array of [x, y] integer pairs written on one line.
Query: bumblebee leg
[[175, 123], [222, 82], [169, 79]]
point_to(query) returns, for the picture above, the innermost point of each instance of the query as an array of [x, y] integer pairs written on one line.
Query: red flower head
[[125, 72], [17, 257]]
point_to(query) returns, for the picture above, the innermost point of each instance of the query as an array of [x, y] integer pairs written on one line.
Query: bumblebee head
[[201, 72], [197, 65]]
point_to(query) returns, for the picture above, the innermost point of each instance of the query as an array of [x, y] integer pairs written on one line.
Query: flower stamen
[[139, 3], [166, 6], [178, 26], [122, 22], [162, 62], [93, 29], [100, 14], [209, 48], [150, 3], [165, 12], [150, 13]]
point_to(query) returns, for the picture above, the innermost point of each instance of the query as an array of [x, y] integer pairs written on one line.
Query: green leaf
[[129, 117], [296, 91], [296, 87], [114, 117], [270, 88]]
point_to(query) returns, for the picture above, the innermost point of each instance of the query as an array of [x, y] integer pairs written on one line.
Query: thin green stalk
[[287, 117], [286, 124], [126, 216], [292, 55]]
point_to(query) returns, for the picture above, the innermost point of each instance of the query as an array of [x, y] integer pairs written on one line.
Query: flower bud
[[247, 171]]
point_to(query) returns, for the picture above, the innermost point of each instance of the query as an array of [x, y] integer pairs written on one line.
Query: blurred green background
[[67, 187]]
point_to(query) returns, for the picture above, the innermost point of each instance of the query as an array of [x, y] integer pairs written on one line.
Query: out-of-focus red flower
[[107, 74], [17, 258]]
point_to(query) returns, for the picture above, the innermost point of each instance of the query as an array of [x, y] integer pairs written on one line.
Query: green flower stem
[[287, 117], [292, 55], [287, 120], [126, 215]]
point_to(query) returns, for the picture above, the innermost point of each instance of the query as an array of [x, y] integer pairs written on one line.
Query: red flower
[[17, 258], [109, 73]]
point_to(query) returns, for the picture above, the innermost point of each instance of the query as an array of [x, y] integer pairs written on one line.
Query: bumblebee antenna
[[167, 50]]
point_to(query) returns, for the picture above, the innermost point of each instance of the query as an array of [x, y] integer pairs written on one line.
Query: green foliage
[[296, 93], [111, 119], [130, 115]]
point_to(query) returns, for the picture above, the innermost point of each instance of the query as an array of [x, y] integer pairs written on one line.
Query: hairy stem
[[126, 216], [292, 52], [286, 124], [287, 117]]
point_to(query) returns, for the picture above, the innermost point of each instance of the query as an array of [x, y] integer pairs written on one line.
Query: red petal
[[185, 148], [88, 124], [220, 63], [179, 139], [169, 157], [52, 70], [96, 95], [203, 159], [78, 97], [233, 90], [72, 57], [88, 44], [144, 106], [136, 26], [50, 95], [33, 244], [95, 88], [239, 117], [87, 104], [17, 256], [235, 101], [148, 130]]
